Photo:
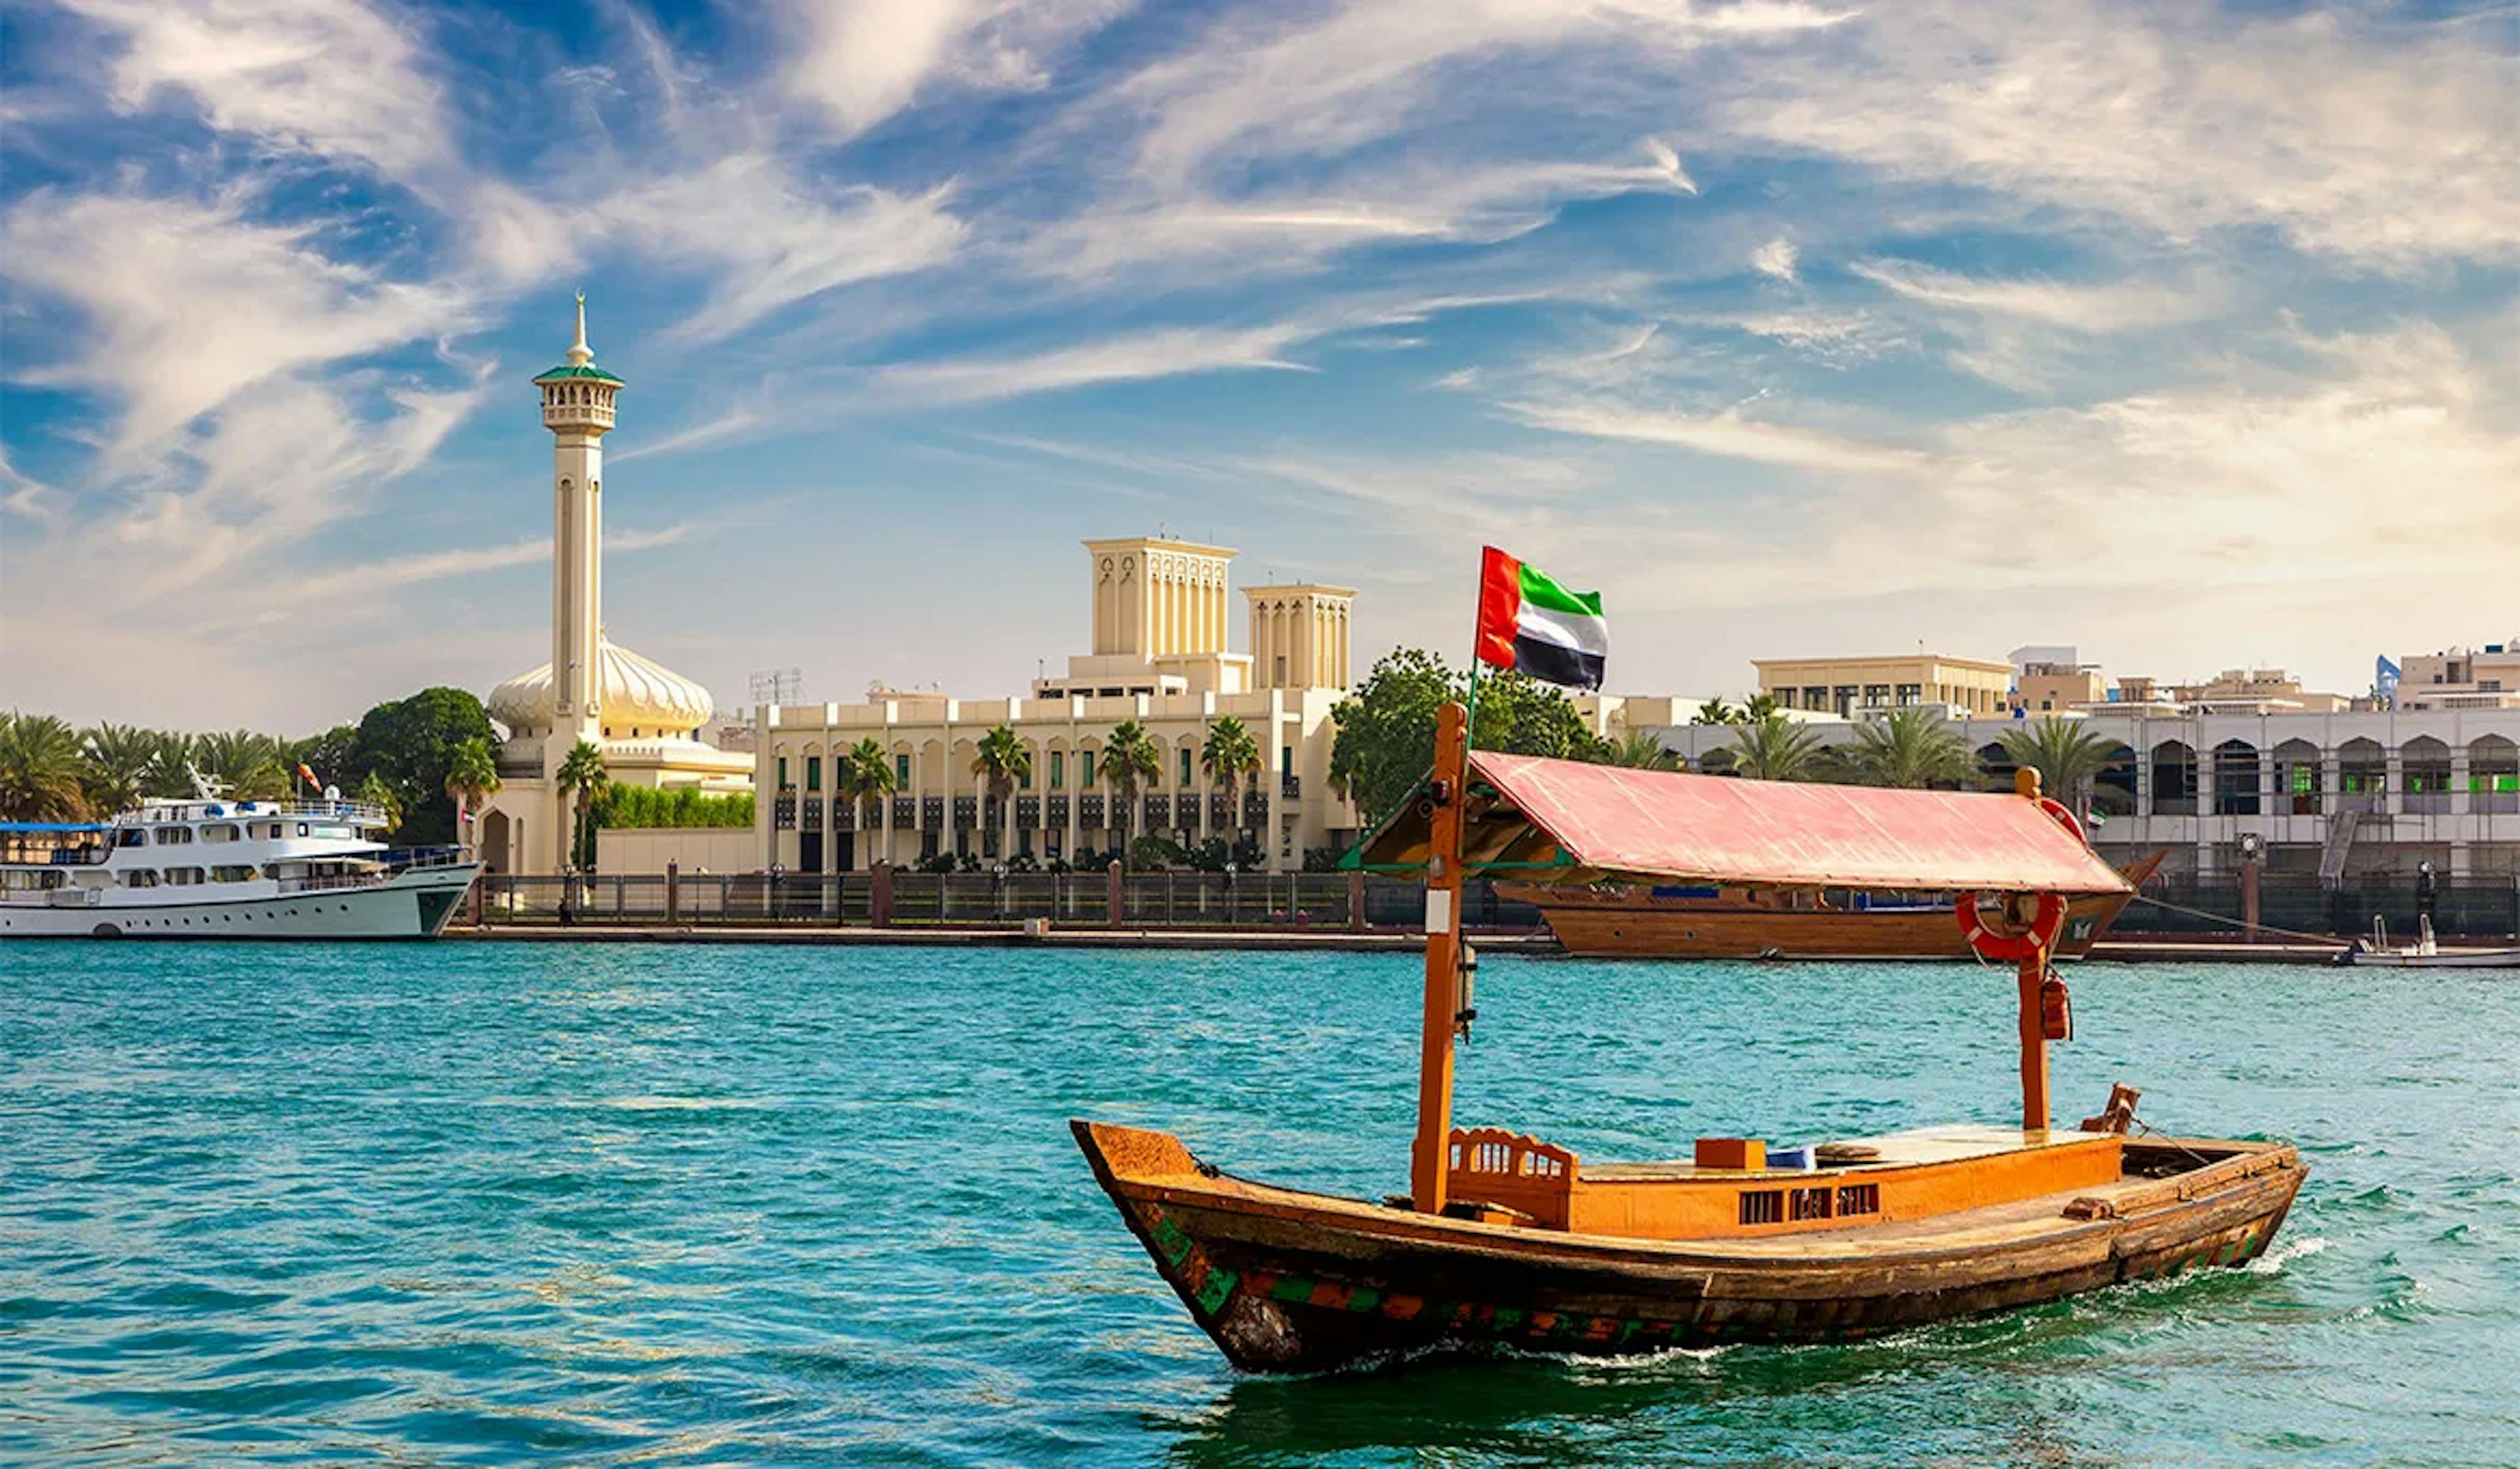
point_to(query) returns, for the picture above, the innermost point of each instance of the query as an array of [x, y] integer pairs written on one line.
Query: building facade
[[2347, 794], [1845, 686], [638, 713], [1157, 636]]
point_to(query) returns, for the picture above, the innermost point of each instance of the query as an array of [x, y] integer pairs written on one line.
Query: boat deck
[[1934, 1144]]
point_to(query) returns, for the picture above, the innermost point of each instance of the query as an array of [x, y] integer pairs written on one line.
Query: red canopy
[[1601, 819]]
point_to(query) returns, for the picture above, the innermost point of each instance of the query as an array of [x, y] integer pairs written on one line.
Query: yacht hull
[[413, 904]]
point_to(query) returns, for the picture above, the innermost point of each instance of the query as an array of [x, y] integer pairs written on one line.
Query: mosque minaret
[[643, 716]]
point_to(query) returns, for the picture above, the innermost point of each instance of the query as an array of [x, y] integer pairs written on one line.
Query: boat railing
[[331, 881], [410, 858], [360, 811]]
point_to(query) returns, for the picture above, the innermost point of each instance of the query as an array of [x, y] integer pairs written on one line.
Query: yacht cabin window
[[140, 878], [232, 873], [220, 831]]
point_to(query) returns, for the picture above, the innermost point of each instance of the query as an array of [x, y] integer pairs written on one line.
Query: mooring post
[[673, 892], [880, 894], [1116, 893], [1430, 1157]]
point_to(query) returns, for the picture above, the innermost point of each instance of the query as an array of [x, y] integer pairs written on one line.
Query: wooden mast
[[1429, 1159], [2034, 1026]]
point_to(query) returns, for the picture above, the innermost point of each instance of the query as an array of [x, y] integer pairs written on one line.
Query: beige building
[[2256, 691], [2483, 678], [639, 713], [1845, 687], [2055, 688], [1157, 635]]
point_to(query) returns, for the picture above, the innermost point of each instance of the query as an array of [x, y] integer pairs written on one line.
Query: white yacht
[[213, 868]]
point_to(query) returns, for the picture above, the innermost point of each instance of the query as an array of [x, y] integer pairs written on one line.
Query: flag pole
[[1430, 1153]]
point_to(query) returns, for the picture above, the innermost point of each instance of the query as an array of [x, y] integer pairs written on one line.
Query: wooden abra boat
[[1507, 1239], [1665, 920]]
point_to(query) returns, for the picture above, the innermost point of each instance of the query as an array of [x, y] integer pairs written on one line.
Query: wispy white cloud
[[187, 304], [335, 78], [2373, 139], [2078, 306], [1730, 435], [1775, 259], [862, 61], [1132, 357], [774, 238]]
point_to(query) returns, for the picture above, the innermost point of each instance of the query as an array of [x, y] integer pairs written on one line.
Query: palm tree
[[40, 770], [120, 760], [264, 780], [378, 791], [235, 758], [1230, 753], [2066, 755], [1776, 748], [583, 776], [1759, 706], [1716, 712], [1639, 750], [1129, 758], [1004, 762], [472, 775], [866, 773], [1910, 749]]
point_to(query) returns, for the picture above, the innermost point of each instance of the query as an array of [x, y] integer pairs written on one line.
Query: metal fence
[[2465, 908], [1146, 900]]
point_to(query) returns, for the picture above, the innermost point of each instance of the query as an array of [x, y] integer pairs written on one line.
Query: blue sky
[[2183, 334]]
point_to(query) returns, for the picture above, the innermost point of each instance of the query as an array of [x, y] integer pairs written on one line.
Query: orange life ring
[[1993, 943]]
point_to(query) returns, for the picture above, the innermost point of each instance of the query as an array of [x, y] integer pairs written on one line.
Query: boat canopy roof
[[1564, 821], [16, 826]]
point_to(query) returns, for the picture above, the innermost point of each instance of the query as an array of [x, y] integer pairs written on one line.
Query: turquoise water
[[502, 1204]]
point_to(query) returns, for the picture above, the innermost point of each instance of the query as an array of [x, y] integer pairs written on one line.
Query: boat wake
[[2284, 1252]]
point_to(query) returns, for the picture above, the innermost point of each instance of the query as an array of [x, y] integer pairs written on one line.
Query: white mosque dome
[[633, 692]]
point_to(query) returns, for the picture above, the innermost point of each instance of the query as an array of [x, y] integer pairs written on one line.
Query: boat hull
[[1593, 924], [1289, 1281], [413, 904]]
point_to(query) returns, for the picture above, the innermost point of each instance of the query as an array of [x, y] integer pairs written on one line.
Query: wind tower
[[577, 408]]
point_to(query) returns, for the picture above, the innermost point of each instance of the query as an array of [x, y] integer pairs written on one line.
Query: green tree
[[235, 759], [379, 792], [1129, 761], [866, 774], [40, 766], [1227, 755], [332, 755], [1759, 706], [410, 743], [472, 775], [1910, 749], [1386, 729], [1776, 748], [582, 776], [1004, 762], [119, 761], [1716, 712], [265, 780], [2067, 756], [1640, 750]]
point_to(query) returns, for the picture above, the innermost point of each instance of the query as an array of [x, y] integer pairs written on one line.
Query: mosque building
[[640, 714], [1161, 611]]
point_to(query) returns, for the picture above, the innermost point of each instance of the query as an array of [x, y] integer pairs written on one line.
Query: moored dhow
[[1507, 1239], [226, 870]]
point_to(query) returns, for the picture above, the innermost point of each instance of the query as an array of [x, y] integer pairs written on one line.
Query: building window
[[1184, 767], [1911, 696], [1815, 697], [813, 773], [1057, 769], [901, 771], [1085, 769], [1876, 695], [783, 772]]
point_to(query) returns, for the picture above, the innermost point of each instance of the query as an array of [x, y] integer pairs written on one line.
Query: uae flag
[[1529, 623]]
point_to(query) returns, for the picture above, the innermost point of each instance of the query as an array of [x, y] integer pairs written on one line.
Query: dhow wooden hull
[[1287, 1281]]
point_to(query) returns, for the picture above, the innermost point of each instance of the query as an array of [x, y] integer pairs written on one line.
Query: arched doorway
[[491, 842]]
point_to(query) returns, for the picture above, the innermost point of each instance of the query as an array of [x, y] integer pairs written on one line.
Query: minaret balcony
[[577, 415]]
